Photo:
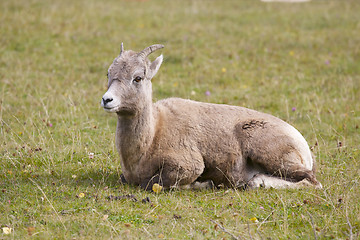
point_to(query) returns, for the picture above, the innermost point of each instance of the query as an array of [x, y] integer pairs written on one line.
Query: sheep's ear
[[155, 65]]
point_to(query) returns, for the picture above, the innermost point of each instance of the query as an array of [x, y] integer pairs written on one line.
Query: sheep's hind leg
[[266, 181]]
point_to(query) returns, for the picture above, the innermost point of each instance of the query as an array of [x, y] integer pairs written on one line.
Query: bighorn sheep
[[183, 143]]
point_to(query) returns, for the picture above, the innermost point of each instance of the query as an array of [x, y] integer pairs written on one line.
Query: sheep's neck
[[135, 135]]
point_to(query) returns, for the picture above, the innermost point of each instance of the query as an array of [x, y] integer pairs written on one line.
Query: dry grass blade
[[225, 231], [47, 199]]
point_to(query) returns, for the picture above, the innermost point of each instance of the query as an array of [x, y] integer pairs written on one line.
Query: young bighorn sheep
[[182, 143]]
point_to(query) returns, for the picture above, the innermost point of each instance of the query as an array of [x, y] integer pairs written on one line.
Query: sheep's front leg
[[167, 180], [174, 173]]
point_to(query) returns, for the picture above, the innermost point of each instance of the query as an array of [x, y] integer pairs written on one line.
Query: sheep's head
[[129, 81]]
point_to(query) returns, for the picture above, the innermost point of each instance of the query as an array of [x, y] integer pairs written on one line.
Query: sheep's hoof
[[196, 185], [122, 179], [203, 185]]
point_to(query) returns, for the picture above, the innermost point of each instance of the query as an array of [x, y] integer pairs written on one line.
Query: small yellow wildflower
[[254, 220], [156, 188], [223, 70], [81, 195]]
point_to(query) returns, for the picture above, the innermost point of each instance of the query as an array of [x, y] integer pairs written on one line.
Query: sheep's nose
[[106, 100]]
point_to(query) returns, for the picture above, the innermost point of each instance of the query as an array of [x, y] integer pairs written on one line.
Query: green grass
[[275, 57]]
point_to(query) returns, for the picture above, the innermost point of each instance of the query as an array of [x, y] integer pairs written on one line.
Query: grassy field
[[58, 162]]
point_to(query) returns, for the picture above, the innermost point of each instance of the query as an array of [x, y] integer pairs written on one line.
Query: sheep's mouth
[[122, 111], [111, 109]]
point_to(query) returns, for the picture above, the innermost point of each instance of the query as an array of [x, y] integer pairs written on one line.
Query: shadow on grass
[[87, 179], [97, 178]]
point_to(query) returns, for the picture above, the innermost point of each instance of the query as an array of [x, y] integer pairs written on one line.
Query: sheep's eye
[[137, 79]]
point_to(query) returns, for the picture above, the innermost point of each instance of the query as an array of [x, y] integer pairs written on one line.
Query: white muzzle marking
[[110, 102]]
